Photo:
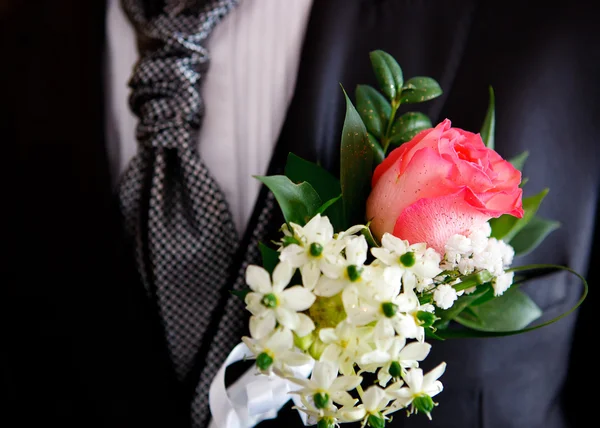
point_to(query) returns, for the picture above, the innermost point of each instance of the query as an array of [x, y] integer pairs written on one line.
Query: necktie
[[181, 227]]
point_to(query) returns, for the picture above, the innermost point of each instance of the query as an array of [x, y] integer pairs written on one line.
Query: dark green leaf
[[489, 124], [506, 227], [519, 161], [373, 108], [378, 154], [514, 310], [241, 294], [329, 203], [366, 232], [451, 333], [387, 72], [408, 125], [270, 257], [356, 165], [532, 235], [299, 170], [298, 202], [420, 89]]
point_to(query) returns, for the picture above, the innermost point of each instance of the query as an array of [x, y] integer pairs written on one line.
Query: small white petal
[[356, 250], [414, 379], [351, 231], [392, 275], [310, 275], [280, 340], [395, 245], [254, 303], [258, 279], [333, 267], [328, 287], [331, 353], [305, 325], [414, 351], [297, 298], [352, 414], [342, 397], [287, 317], [434, 389], [282, 274], [385, 256], [376, 357], [324, 373], [294, 254], [444, 296], [434, 374], [262, 326], [294, 359], [373, 397], [327, 335], [383, 376], [345, 383]]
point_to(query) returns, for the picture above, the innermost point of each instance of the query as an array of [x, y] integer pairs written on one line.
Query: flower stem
[[385, 141]]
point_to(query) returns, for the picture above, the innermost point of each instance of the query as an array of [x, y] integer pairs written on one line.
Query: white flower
[[325, 387], [466, 266], [270, 302], [347, 270], [417, 258], [344, 345], [374, 403], [331, 416], [479, 237], [316, 247], [457, 247], [274, 353], [419, 390], [444, 296], [502, 282], [394, 357]]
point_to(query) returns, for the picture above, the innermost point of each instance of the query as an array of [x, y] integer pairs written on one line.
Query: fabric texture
[[176, 214]]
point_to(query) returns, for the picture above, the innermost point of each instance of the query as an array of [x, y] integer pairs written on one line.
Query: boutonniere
[[412, 242]]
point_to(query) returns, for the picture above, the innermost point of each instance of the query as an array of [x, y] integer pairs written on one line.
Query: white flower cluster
[[325, 302], [477, 252]]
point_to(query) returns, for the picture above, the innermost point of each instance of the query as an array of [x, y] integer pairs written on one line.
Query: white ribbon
[[254, 397]]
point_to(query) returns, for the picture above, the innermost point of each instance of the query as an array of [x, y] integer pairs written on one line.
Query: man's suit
[[80, 342]]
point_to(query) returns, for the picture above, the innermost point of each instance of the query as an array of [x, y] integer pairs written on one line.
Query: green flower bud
[[288, 240], [316, 249], [322, 400], [269, 300], [408, 259], [376, 421], [316, 349], [354, 272], [426, 318], [424, 404], [304, 342], [389, 309], [395, 369], [264, 361], [326, 423]]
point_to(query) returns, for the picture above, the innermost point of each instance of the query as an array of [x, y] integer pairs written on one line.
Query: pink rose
[[442, 182]]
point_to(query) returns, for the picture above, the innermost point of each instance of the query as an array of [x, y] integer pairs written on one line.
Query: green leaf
[[299, 170], [388, 73], [420, 89], [356, 165], [408, 125], [489, 124], [524, 182], [369, 237], [532, 235], [298, 202], [328, 204], [270, 257], [506, 227], [514, 310], [378, 154], [373, 108], [241, 294], [452, 333], [519, 161]]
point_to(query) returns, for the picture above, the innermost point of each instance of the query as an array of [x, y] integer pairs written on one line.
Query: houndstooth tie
[[181, 226]]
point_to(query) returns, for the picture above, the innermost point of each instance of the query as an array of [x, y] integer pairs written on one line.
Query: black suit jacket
[[80, 345]]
